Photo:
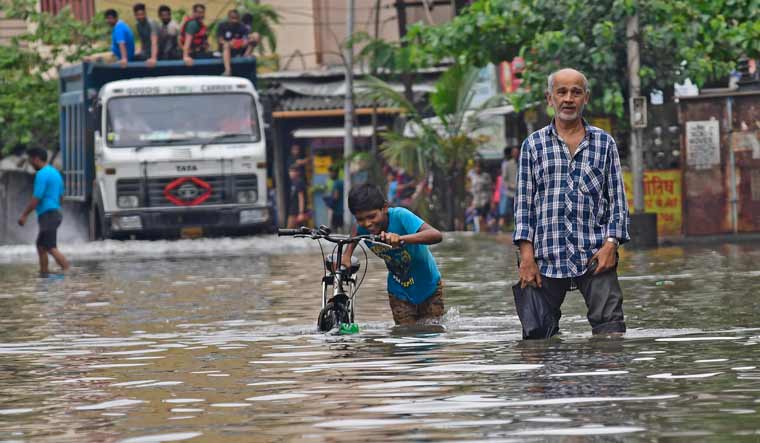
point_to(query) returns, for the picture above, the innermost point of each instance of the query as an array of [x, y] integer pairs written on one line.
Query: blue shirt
[[412, 273], [121, 33], [568, 206], [392, 187], [48, 189]]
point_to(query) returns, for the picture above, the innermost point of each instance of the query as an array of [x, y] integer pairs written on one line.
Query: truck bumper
[[208, 220]]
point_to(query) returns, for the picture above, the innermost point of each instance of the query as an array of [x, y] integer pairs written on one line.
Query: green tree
[[28, 87], [698, 39], [440, 145]]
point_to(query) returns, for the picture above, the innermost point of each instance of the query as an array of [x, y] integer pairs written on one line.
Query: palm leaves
[[440, 145]]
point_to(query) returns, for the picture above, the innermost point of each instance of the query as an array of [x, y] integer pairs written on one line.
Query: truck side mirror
[[94, 117]]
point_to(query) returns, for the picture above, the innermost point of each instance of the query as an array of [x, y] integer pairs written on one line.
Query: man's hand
[[22, 220], [390, 238], [605, 258], [529, 275], [188, 60], [151, 62], [123, 62]]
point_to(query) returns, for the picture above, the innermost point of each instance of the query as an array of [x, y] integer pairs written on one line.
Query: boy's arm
[[426, 235], [349, 251]]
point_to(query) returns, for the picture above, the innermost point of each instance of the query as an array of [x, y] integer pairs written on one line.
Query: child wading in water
[[415, 289]]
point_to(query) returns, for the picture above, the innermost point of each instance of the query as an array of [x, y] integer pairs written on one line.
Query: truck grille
[[151, 191]]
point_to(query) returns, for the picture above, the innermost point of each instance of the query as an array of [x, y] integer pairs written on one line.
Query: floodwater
[[214, 340]]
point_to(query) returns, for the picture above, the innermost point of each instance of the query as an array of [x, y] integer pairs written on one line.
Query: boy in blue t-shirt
[[46, 202], [414, 282]]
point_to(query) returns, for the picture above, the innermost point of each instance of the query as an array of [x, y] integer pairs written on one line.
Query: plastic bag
[[539, 319]]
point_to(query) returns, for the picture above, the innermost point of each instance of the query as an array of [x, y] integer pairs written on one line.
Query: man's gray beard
[[578, 113]]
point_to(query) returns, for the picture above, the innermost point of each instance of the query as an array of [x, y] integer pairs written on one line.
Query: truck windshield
[[140, 121]]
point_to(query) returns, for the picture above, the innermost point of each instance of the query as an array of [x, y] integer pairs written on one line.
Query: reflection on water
[[215, 340]]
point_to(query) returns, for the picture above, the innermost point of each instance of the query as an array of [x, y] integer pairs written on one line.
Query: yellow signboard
[[662, 196], [322, 164], [602, 122]]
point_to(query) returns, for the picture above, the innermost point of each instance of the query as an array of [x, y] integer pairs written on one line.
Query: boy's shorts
[[407, 313], [48, 223]]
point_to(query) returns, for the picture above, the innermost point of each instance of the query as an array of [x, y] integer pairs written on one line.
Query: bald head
[[568, 75]]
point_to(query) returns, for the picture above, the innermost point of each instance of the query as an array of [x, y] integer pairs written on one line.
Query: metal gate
[[721, 158]]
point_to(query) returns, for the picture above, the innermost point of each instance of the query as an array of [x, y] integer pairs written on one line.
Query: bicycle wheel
[[327, 319]]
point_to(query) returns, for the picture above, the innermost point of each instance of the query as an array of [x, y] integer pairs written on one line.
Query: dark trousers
[[602, 293]]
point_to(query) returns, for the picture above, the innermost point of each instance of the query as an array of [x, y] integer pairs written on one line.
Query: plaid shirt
[[568, 207]]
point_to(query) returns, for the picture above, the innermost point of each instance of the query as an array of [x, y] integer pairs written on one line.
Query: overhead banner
[[662, 196]]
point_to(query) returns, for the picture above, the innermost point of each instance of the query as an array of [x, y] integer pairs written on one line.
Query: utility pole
[[643, 227], [348, 143], [374, 73], [637, 156], [406, 77]]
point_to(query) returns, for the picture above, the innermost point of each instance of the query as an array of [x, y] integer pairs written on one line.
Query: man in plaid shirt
[[570, 208]]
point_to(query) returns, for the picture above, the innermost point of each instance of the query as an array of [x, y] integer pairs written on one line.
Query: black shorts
[[48, 223]]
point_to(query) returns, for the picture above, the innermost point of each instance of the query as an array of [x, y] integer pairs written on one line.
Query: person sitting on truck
[[168, 34], [147, 30], [194, 36], [122, 39], [46, 202], [233, 39], [253, 37]]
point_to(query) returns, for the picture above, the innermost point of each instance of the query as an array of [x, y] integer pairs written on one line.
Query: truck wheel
[[97, 225]]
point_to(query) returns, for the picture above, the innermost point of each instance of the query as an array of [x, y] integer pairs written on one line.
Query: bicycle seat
[[330, 259]]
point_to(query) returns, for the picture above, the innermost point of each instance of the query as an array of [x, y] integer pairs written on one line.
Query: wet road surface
[[214, 340]]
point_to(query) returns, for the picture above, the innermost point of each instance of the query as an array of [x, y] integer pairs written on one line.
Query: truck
[[164, 151]]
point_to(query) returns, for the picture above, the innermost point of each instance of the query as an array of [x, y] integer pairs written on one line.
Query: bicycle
[[339, 310]]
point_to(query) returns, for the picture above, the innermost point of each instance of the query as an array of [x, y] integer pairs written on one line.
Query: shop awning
[[335, 132]]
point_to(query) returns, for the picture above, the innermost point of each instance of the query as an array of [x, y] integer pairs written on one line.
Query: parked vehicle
[[166, 150]]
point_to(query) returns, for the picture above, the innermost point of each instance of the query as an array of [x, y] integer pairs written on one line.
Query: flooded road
[[215, 340]]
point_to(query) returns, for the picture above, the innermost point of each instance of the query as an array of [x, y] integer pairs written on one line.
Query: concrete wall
[[10, 28], [15, 192]]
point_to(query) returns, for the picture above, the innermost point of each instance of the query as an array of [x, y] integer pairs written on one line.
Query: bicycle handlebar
[[315, 234], [300, 231]]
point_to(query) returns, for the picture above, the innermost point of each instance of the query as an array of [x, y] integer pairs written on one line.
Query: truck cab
[[168, 155]]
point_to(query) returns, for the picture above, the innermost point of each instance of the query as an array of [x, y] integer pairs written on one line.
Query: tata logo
[[186, 168], [187, 191]]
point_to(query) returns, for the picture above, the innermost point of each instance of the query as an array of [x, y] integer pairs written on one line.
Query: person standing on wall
[[46, 201]]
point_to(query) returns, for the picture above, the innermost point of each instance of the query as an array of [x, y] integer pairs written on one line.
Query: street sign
[[639, 112]]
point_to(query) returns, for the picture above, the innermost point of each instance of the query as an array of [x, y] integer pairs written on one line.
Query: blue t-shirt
[[392, 187], [123, 34], [48, 189], [412, 273]]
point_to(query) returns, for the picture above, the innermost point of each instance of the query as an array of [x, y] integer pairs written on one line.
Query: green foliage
[[441, 145], [28, 88], [698, 39], [379, 54], [26, 117]]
